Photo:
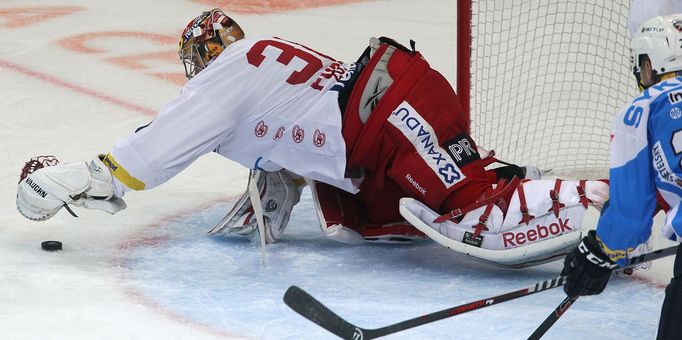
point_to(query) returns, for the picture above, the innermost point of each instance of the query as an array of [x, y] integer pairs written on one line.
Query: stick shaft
[[312, 309], [254, 194], [553, 317], [309, 307]]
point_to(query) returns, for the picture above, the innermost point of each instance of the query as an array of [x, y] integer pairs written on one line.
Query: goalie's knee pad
[[280, 191]]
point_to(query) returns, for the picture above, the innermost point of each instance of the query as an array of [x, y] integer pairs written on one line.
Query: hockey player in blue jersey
[[645, 161]]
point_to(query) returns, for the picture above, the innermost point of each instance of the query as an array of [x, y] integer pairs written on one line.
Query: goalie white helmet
[[660, 39]]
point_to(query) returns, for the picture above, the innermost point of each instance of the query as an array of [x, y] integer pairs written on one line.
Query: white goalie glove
[[47, 186], [279, 191]]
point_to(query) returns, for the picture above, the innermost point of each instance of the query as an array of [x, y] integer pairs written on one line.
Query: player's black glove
[[587, 268]]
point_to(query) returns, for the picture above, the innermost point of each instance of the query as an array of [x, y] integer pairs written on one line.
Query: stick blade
[[306, 305]]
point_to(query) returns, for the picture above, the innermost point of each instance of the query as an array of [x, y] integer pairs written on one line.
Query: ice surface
[[151, 272], [219, 281]]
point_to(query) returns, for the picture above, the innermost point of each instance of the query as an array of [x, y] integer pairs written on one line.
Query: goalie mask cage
[[542, 79]]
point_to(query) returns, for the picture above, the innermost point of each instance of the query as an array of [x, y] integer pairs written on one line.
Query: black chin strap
[[657, 78]]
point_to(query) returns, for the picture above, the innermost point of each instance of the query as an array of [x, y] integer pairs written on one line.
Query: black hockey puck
[[51, 245]]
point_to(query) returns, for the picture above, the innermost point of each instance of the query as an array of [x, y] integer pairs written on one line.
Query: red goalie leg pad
[[474, 190], [373, 213], [381, 203], [392, 233], [382, 211], [338, 207]]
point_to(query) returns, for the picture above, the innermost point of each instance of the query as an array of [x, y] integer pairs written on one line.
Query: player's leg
[[670, 326]]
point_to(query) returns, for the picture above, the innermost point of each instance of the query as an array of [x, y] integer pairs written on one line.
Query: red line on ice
[[138, 240], [77, 88]]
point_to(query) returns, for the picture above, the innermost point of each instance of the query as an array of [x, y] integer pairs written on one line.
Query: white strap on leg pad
[[508, 240]]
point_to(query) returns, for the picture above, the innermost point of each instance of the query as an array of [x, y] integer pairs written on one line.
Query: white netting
[[547, 77]]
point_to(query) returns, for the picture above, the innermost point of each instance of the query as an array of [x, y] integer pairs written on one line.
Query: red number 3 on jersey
[[313, 63]]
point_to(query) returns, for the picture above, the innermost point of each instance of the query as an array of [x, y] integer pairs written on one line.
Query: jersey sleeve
[[626, 223], [193, 124], [184, 130]]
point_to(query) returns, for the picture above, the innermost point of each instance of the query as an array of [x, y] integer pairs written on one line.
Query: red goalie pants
[[405, 128], [416, 135]]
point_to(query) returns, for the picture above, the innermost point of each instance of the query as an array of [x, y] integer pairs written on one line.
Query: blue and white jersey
[[646, 150]]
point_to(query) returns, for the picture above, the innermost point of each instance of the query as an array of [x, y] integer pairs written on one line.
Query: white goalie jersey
[[266, 103]]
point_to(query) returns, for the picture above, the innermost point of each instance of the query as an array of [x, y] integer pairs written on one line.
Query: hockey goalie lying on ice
[[363, 135]]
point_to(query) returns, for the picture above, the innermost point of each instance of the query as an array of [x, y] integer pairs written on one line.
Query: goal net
[[544, 78]]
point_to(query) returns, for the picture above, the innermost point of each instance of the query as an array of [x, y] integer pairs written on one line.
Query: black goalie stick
[[568, 301], [312, 309]]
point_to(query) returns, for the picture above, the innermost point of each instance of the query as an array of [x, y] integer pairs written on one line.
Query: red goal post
[[542, 79]]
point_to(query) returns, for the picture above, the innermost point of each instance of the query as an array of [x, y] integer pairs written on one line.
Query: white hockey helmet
[[204, 38], [659, 38]]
